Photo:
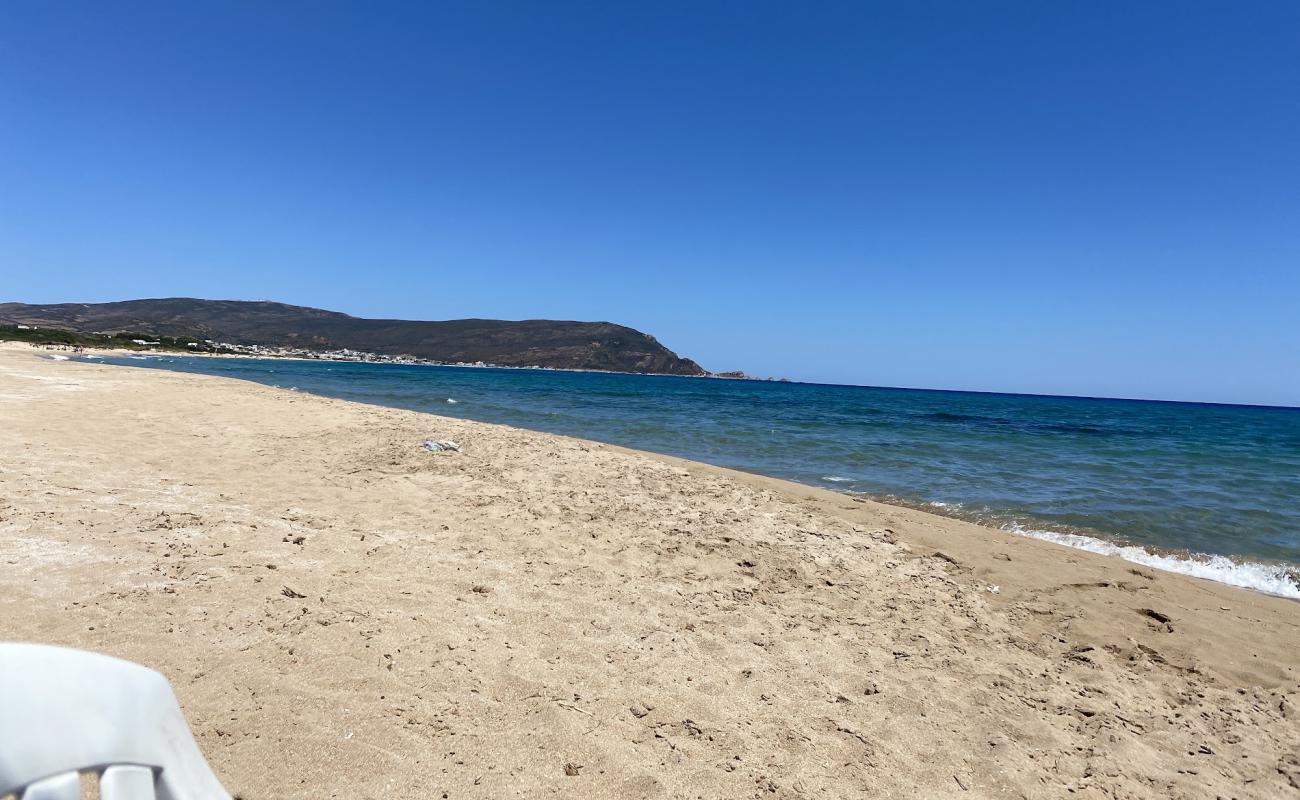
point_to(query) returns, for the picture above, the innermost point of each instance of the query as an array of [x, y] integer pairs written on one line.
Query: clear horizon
[[1093, 200]]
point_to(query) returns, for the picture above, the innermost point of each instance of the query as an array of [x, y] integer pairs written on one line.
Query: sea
[[1206, 490]]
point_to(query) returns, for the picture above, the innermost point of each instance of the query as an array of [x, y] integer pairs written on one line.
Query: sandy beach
[[345, 614]]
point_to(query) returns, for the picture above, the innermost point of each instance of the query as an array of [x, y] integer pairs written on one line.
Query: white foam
[[57, 358], [1271, 578], [836, 479], [452, 401], [92, 356]]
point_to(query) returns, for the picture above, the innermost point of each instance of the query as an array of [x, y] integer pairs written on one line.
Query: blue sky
[[1062, 197]]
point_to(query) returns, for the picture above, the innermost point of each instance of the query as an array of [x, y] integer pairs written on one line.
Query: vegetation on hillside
[[120, 341], [562, 344]]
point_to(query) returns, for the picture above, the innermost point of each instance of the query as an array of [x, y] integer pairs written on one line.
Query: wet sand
[[345, 614]]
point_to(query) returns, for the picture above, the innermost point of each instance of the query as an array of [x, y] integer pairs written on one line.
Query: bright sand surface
[[345, 614]]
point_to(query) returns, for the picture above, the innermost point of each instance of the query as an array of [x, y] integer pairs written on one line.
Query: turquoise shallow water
[[1099, 474]]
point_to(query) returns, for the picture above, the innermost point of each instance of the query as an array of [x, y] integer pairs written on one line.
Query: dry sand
[[343, 614]]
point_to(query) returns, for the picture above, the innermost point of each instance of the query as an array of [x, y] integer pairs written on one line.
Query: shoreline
[[1273, 577], [1181, 563], [1276, 578], [716, 376], [339, 609]]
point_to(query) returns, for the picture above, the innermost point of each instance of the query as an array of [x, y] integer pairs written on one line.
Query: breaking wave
[[942, 506], [1274, 579]]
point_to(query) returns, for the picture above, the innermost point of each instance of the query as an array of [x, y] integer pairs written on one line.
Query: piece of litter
[[995, 589], [439, 446]]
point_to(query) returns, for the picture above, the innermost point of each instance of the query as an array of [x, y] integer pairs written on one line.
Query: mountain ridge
[[561, 344]]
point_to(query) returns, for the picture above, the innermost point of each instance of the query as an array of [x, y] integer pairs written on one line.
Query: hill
[[534, 342]]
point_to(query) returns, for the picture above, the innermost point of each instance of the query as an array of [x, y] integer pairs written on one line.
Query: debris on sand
[[1159, 618], [441, 445]]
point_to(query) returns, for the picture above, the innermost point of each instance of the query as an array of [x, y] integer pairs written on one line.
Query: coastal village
[[345, 354], [341, 354]]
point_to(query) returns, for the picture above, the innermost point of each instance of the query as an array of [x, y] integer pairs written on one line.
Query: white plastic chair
[[64, 711]]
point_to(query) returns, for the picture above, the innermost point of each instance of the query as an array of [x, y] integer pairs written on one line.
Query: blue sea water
[[1209, 490]]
